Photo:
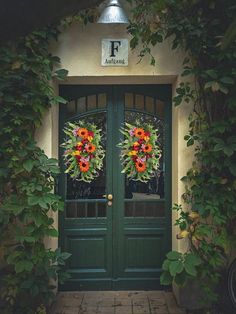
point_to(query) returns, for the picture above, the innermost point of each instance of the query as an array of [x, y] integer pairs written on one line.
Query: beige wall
[[79, 48]]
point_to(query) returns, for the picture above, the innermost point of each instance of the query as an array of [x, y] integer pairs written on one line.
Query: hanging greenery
[[84, 153], [27, 267], [208, 218], [140, 152]]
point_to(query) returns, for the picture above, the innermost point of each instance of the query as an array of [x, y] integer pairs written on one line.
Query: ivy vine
[[208, 221], [27, 267]]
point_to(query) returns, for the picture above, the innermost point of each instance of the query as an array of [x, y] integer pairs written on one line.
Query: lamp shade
[[113, 14]]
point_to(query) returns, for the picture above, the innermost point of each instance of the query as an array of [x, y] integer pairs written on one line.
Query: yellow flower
[[76, 153], [79, 144], [184, 234], [132, 153], [146, 138], [193, 215], [136, 144], [90, 138]]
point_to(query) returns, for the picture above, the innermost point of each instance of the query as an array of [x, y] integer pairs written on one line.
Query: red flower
[[78, 158], [147, 133], [148, 156], [79, 148], [136, 148], [84, 141], [134, 158], [91, 133], [140, 141]]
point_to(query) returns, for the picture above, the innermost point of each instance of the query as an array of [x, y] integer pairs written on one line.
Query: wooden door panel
[[121, 246]]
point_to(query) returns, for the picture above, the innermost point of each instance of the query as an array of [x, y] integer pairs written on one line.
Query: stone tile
[[91, 301], [140, 301], [106, 310], [104, 302], [123, 310], [159, 309], [122, 301], [157, 302], [141, 310], [88, 310], [156, 294], [66, 310]]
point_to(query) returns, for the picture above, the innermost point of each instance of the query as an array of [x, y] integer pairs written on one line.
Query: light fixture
[[113, 14]]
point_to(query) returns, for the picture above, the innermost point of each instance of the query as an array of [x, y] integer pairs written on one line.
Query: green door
[[121, 243]]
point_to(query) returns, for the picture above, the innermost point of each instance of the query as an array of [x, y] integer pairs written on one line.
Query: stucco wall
[[79, 49]]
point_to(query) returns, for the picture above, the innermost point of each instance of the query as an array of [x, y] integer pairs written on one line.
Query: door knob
[[110, 197]]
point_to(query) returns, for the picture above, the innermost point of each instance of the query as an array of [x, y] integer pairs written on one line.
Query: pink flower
[[139, 159], [131, 132], [75, 131]]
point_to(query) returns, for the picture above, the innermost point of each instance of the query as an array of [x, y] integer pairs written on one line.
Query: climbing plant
[[198, 27], [27, 267]]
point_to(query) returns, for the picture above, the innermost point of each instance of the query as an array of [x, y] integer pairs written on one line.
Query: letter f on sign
[[115, 44]]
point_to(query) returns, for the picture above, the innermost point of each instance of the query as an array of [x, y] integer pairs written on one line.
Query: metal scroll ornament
[[140, 151], [83, 153]]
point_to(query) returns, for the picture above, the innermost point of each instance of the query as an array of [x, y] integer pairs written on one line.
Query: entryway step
[[116, 302]]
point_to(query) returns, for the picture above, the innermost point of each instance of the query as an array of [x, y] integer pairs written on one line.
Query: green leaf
[[176, 267], [61, 74], [174, 255], [193, 260], [180, 279], [52, 232], [166, 264], [190, 269], [23, 266], [28, 165], [227, 80], [166, 278]]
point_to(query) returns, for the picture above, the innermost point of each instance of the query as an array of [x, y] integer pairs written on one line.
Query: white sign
[[115, 52]]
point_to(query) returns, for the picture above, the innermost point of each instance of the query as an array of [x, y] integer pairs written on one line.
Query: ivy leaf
[[176, 267], [193, 260], [23, 266], [61, 74], [181, 278], [166, 278], [166, 264], [227, 80], [174, 255], [190, 269], [28, 165], [52, 232]]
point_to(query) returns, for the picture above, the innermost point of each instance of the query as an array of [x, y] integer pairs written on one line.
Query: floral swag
[[83, 151], [140, 151]]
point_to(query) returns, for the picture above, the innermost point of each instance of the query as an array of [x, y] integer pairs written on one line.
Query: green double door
[[118, 231]]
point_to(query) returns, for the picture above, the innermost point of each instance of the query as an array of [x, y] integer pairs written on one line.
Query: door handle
[[109, 197]]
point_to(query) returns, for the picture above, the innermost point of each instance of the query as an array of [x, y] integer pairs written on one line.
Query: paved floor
[[116, 302]]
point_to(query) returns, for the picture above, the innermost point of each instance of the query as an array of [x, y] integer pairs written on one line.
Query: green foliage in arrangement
[[200, 28], [27, 267]]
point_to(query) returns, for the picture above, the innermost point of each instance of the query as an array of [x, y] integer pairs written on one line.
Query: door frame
[[167, 145]]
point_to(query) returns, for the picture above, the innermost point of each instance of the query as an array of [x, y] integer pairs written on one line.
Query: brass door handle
[[109, 197]]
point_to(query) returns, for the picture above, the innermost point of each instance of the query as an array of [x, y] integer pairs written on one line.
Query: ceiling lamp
[[113, 14]]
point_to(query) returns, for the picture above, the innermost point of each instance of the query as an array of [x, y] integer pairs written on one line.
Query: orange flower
[[138, 132], [84, 166], [140, 166], [90, 148], [147, 148], [83, 133]]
